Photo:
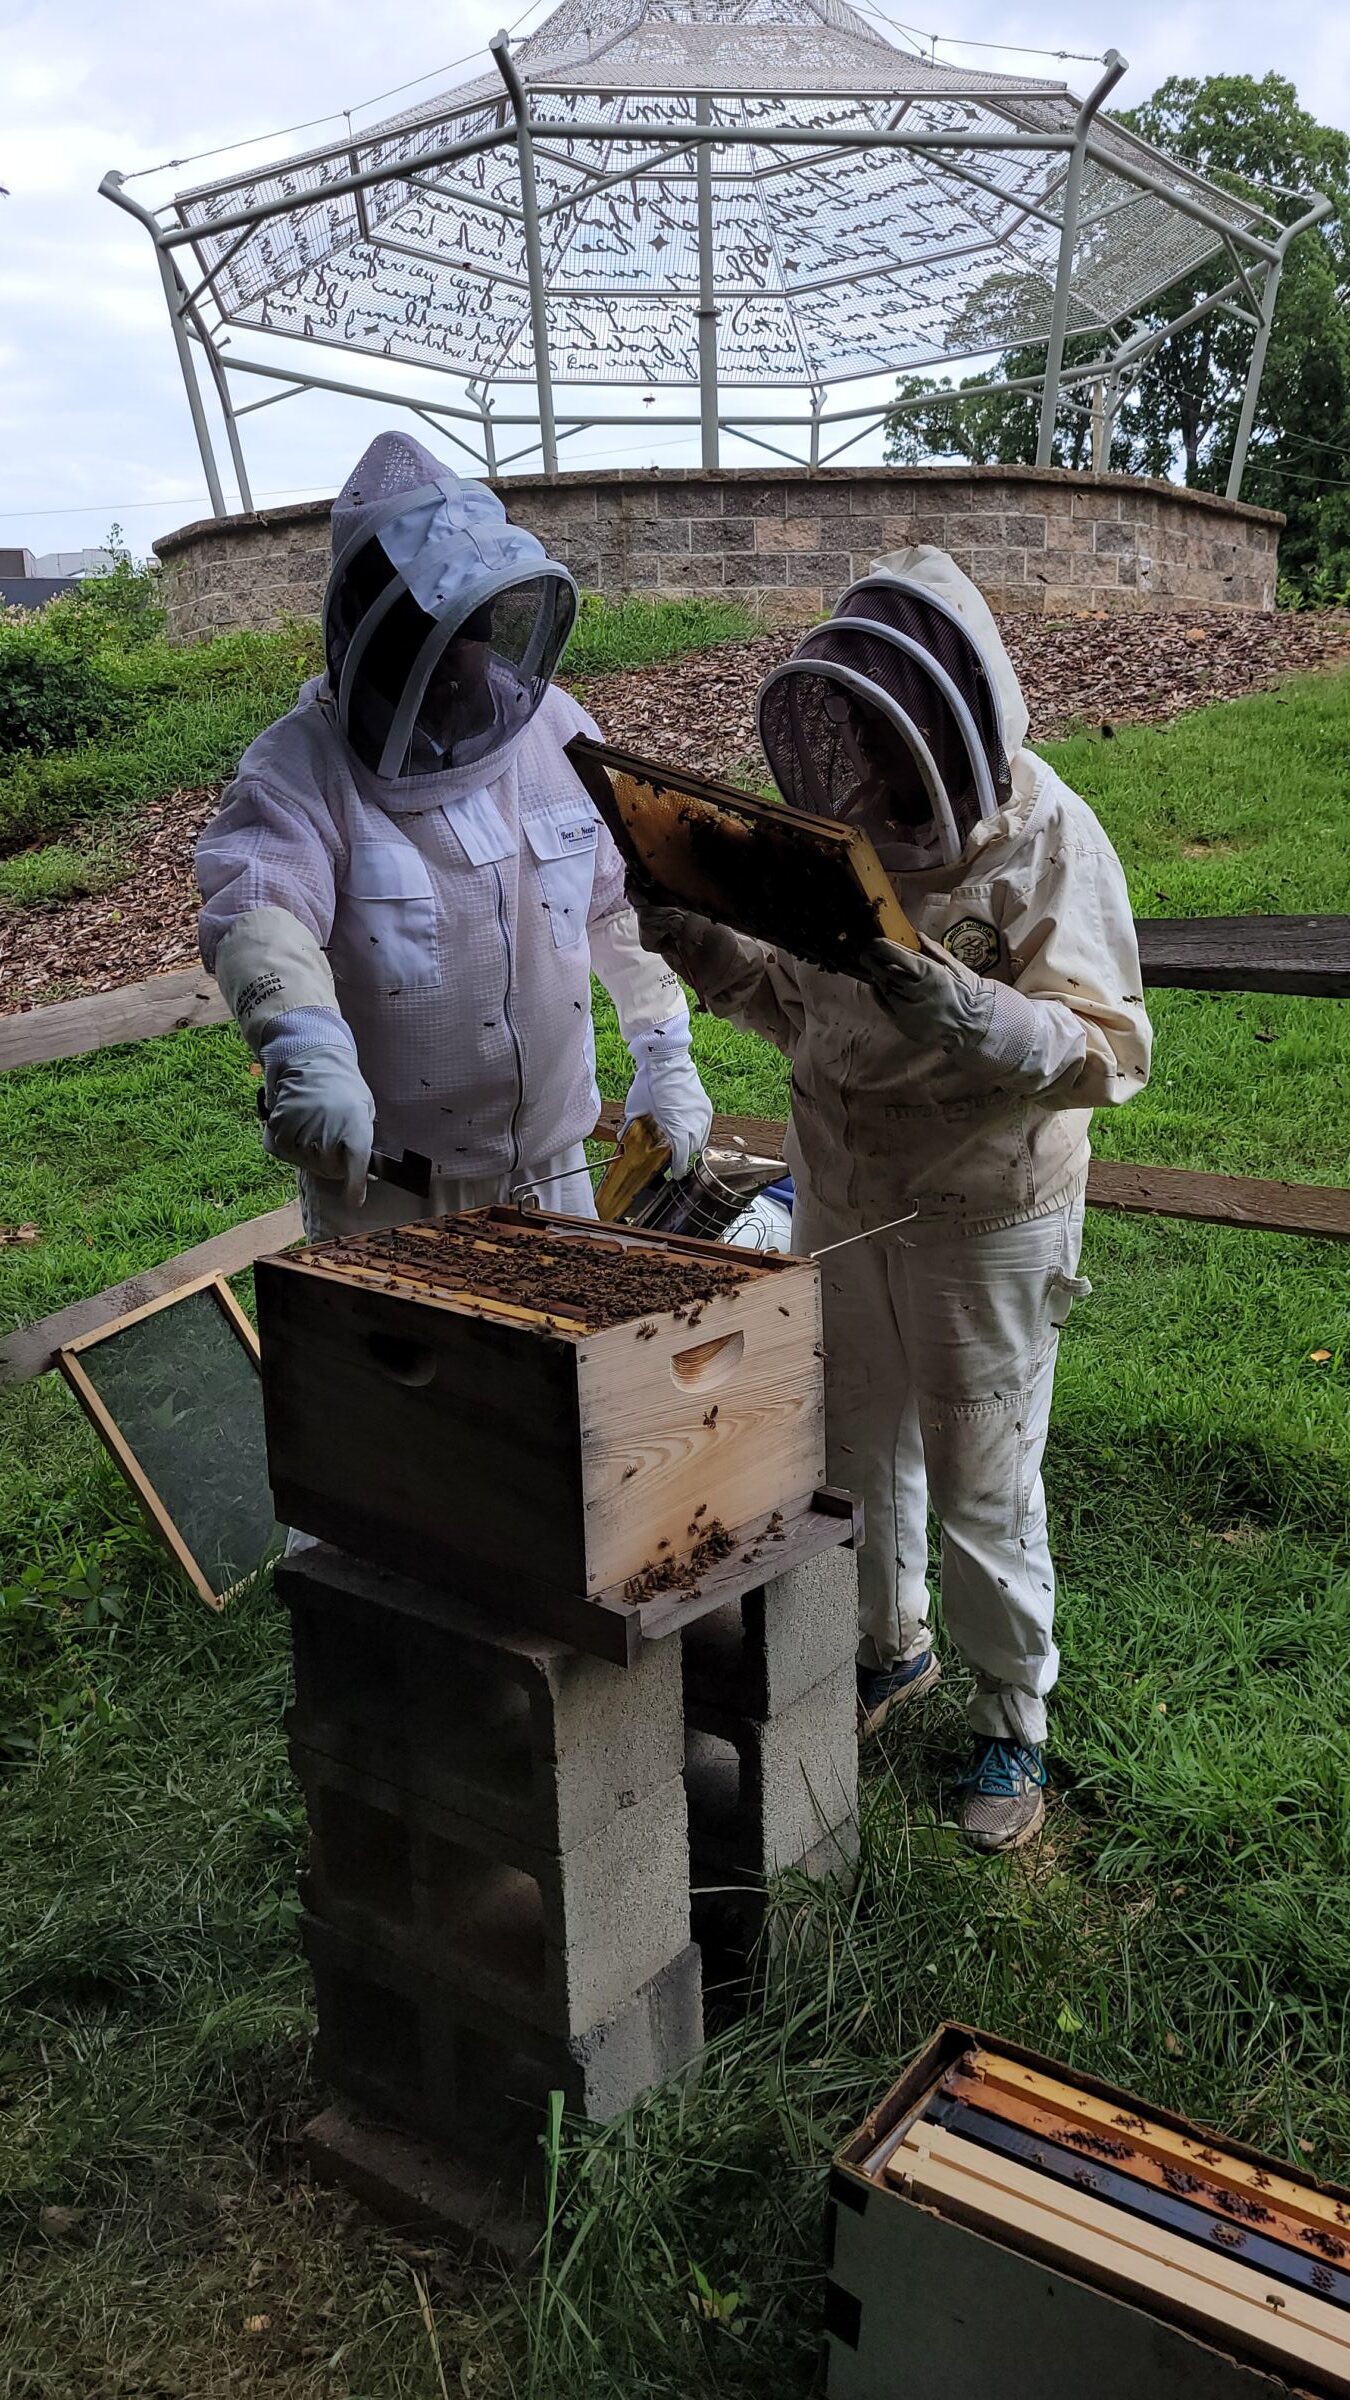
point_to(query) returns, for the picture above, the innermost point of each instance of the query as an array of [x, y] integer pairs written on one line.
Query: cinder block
[[422, 2185], [559, 1939], [764, 1793], [758, 1655], [396, 2039], [728, 1911], [488, 1720]]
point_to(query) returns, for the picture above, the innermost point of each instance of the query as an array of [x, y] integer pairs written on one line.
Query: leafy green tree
[[1180, 419]]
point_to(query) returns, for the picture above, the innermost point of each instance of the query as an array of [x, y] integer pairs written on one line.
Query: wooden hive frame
[[1072, 2213], [814, 888], [70, 1361]]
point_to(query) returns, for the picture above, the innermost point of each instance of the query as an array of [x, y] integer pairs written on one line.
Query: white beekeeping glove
[[1030, 1044], [666, 1087], [320, 1116]]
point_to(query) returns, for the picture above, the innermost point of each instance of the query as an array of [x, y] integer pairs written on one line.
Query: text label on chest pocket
[[564, 857]]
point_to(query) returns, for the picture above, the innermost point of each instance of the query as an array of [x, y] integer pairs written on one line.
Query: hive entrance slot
[[708, 1365]]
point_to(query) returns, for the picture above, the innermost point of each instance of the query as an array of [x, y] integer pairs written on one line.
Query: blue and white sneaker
[[1005, 1796], [880, 1689]]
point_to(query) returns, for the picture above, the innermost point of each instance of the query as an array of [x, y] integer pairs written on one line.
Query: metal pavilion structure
[[713, 197]]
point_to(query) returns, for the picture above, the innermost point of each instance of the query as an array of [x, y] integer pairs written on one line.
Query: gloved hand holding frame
[[813, 888]]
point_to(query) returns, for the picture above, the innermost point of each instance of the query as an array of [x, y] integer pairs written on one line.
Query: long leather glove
[[320, 1113]]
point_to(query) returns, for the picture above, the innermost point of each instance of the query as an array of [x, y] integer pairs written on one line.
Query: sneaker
[[880, 1689], [1005, 1796]]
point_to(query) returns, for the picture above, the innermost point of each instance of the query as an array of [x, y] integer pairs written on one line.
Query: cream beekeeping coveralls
[[941, 1338]]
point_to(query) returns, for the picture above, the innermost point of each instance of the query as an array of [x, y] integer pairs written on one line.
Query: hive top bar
[[565, 1275]]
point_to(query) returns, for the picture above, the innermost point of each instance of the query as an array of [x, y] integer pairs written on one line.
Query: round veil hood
[[890, 716], [443, 622]]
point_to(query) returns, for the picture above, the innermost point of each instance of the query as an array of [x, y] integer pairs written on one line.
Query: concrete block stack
[[771, 1761], [497, 1897]]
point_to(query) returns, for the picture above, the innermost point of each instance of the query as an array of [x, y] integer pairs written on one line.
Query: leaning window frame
[[69, 1360]]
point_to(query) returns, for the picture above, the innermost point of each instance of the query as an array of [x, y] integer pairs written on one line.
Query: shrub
[[50, 696], [117, 611]]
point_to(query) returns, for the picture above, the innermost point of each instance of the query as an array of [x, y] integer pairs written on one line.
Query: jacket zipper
[[510, 1020]]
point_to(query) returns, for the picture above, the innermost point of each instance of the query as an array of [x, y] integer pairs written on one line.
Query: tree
[[1180, 419]]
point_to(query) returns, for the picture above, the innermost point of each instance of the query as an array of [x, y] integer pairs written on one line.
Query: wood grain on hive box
[[435, 1428]]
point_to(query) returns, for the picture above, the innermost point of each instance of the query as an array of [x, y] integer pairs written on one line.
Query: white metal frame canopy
[[721, 196]]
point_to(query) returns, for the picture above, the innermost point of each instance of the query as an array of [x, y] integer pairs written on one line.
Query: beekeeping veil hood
[[900, 713], [443, 622]]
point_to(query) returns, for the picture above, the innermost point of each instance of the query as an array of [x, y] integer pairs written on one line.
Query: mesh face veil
[[443, 622], [886, 717]]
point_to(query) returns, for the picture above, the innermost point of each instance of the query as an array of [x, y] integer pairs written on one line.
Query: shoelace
[[1001, 1767]]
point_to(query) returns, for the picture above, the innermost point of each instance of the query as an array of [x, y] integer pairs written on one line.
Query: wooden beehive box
[[999, 2215], [525, 1394]]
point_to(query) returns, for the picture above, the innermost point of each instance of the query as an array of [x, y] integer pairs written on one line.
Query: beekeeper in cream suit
[[953, 1089], [406, 887]]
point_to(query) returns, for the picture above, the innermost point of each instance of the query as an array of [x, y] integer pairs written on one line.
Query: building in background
[[29, 582]]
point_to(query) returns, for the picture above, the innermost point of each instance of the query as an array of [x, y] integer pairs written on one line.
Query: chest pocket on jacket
[[384, 932], [564, 858]]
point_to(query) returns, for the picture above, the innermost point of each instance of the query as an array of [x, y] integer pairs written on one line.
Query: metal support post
[[817, 411], [1100, 447], [1068, 238], [111, 188], [484, 407], [1269, 291], [534, 257], [218, 376], [707, 291]]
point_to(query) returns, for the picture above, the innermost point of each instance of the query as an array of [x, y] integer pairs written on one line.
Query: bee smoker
[[718, 1187]]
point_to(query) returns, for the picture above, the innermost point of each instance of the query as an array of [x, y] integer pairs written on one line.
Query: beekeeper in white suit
[[406, 887], [954, 1089]]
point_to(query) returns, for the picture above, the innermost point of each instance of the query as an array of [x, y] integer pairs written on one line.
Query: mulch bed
[[699, 713], [696, 713], [143, 927]]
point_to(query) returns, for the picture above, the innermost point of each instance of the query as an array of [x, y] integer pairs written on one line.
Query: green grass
[[188, 716], [1184, 1929], [60, 871], [612, 634]]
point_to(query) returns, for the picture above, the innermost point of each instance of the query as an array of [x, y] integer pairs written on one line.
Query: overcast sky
[[93, 422]]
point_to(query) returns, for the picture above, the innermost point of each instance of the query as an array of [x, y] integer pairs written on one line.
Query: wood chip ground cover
[[697, 713]]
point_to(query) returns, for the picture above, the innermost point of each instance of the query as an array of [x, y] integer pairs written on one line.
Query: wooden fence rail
[[1309, 955]]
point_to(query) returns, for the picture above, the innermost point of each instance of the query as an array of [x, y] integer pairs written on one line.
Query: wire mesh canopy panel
[[763, 196], [773, 176]]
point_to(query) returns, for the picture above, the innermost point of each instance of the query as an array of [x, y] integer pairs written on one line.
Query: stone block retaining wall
[[788, 541]]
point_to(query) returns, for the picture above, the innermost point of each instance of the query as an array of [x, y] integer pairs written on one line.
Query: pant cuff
[[1008, 1716]]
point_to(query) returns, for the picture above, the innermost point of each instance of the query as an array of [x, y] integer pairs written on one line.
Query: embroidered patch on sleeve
[[974, 943]]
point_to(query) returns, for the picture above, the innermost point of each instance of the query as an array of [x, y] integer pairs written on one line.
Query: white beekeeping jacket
[[456, 912]]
